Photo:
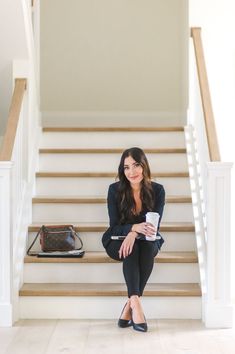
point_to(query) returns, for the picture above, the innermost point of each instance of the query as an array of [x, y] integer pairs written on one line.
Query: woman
[[129, 200]]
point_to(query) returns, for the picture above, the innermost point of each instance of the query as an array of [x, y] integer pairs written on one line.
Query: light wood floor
[[103, 336]]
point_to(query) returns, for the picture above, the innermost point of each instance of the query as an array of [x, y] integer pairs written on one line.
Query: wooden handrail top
[[13, 118], [205, 95]]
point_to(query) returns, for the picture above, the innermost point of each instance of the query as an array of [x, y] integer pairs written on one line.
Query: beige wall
[[13, 46], [114, 55]]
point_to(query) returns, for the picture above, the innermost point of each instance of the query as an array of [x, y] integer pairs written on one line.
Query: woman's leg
[[130, 266], [138, 266], [132, 274], [147, 253], [112, 251], [131, 271]]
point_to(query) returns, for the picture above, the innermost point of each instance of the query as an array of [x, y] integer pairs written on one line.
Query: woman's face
[[133, 171]]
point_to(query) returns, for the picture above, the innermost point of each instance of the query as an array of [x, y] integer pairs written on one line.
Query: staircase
[[76, 165]]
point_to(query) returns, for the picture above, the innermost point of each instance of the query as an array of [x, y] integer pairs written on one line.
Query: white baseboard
[[113, 118], [219, 316], [5, 315]]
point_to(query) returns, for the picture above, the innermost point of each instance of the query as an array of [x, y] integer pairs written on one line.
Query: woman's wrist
[[133, 234], [133, 228]]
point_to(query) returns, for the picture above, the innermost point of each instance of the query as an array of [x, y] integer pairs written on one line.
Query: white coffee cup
[[152, 218]]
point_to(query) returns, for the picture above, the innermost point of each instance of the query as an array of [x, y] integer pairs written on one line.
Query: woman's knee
[[112, 250], [149, 248]]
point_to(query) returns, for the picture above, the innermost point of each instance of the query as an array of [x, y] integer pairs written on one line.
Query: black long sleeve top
[[115, 226]]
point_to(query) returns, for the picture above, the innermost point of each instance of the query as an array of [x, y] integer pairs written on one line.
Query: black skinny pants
[[138, 266]]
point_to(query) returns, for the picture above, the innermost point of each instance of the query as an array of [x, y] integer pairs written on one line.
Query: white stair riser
[[84, 186], [106, 307], [113, 140], [174, 241], [56, 212], [106, 273], [108, 162]]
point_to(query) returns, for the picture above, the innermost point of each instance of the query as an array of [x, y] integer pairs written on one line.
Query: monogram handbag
[[56, 238]]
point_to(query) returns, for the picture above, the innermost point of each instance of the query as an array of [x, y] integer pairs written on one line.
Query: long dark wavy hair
[[126, 202]]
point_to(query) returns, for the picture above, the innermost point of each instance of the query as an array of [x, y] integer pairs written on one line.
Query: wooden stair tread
[[99, 200], [113, 129], [108, 289], [105, 174], [102, 257], [110, 151], [101, 227]]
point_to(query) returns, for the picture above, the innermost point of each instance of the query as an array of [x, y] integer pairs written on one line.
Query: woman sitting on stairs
[[129, 200]]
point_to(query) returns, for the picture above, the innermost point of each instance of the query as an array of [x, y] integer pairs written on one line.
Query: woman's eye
[[137, 164], [125, 168]]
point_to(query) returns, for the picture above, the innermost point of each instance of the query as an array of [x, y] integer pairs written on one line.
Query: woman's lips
[[134, 177]]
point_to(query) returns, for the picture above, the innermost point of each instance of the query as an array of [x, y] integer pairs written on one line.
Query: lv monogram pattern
[[57, 240]]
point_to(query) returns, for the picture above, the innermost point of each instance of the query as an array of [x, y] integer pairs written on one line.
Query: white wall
[[216, 17], [13, 46], [111, 55]]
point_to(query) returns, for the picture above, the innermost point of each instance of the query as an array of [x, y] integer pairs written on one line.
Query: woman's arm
[[115, 228], [114, 217], [159, 197], [159, 202]]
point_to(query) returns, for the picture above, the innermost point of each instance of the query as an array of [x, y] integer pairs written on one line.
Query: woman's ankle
[[134, 300]]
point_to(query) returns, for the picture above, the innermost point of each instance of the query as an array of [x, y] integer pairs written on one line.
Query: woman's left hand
[[127, 245]]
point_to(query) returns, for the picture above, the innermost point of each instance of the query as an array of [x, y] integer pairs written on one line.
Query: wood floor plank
[[90, 336]]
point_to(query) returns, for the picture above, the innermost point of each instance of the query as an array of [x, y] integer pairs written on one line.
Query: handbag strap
[[77, 235], [28, 251]]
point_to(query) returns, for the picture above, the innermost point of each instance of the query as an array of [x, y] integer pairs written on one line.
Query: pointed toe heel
[[124, 323], [141, 327]]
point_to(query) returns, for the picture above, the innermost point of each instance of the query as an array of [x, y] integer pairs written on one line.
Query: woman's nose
[[132, 170]]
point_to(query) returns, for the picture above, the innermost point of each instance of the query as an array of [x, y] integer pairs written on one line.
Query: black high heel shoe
[[124, 323], [141, 327]]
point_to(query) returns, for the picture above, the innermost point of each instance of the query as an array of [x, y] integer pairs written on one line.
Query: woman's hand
[[145, 228], [127, 245]]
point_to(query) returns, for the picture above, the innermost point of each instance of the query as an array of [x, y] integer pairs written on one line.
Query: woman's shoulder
[[113, 186], [157, 187]]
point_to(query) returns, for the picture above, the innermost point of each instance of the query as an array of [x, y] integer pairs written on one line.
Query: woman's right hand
[[144, 228]]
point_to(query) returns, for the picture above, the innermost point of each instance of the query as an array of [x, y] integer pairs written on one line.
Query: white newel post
[[6, 309], [219, 309]]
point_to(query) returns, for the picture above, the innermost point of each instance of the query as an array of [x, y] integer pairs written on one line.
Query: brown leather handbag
[[56, 238]]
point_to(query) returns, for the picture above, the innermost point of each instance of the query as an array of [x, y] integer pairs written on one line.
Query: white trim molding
[[219, 308], [211, 193], [6, 267]]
